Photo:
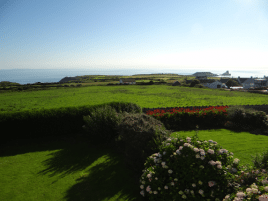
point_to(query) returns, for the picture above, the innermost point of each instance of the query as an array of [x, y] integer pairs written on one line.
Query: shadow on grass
[[106, 175], [106, 179]]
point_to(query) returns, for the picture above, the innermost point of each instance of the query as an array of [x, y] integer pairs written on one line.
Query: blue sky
[[55, 34]]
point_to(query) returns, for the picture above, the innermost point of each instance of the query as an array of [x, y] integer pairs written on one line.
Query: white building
[[248, 83]]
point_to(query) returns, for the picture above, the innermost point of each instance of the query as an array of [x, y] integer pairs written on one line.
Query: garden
[[122, 154]]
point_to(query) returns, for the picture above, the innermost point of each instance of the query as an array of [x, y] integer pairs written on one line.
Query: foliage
[[141, 135], [102, 124], [231, 82], [194, 82], [199, 86], [261, 161], [246, 119], [179, 171]]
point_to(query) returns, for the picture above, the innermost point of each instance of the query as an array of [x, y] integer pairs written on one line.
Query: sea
[[30, 76]]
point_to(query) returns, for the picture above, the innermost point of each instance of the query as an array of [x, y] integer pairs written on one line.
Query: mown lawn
[[76, 170]]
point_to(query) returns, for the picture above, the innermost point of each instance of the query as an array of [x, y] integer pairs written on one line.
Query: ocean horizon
[[25, 76]]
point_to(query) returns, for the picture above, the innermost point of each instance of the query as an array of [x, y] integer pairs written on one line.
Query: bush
[[261, 161], [199, 86], [185, 85], [140, 134], [246, 119], [179, 171], [102, 124], [194, 82]]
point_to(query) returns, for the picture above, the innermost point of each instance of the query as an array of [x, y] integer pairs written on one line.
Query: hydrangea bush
[[188, 169]]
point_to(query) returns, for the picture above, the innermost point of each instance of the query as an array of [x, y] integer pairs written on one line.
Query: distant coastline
[[24, 76]]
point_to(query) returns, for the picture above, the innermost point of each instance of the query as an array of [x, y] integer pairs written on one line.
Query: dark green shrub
[[125, 107], [247, 119], [141, 135], [199, 86], [194, 82], [102, 123]]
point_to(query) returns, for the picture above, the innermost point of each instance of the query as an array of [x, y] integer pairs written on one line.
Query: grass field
[[74, 171], [82, 170], [145, 96]]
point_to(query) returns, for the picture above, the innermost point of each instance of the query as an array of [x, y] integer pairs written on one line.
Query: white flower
[[156, 178], [219, 166], [211, 151], [172, 184], [148, 188], [178, 151], [211, 162], [236, 160], [166, 187], [163, 163], [142, 193], [193, 185], [142, 186], [155, 192], [201, 191], [149, 175], [170, 171], [211, 183]]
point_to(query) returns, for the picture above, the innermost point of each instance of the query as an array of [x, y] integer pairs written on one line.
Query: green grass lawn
[[153, 96], [73, 171]]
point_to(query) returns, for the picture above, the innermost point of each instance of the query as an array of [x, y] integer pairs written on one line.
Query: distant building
[[215, 85]]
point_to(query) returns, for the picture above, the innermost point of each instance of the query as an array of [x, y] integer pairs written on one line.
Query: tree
[[231, 83], [194, 82]]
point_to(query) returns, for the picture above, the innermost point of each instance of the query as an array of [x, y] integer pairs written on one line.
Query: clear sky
[[55, 34]]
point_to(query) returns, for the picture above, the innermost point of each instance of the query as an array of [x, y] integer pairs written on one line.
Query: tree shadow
[[104, 179]]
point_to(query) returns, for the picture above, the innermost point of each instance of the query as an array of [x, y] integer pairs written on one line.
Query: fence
[[255, 107]]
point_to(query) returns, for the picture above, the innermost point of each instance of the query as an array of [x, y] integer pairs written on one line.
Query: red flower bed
[[187, 118]]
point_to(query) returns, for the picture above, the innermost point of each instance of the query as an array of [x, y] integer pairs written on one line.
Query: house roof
[[249, 80], [242, 80]]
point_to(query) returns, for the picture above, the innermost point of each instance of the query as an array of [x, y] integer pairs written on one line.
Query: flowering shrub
[[181, 118], [188, 169]]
